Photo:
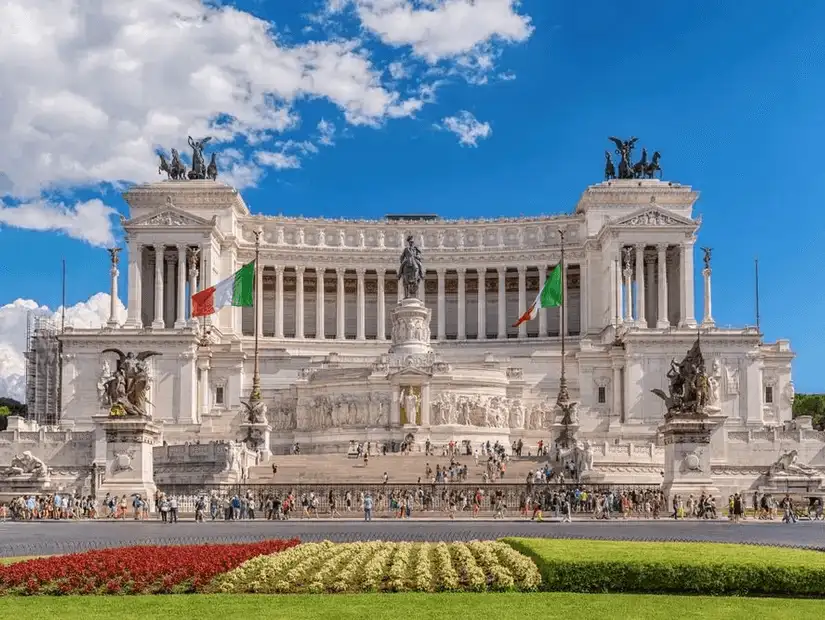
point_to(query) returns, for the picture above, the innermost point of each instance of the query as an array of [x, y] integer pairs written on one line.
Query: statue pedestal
[[129, 466], [411, 328], [796, 485], [257, 436], [687, 455]]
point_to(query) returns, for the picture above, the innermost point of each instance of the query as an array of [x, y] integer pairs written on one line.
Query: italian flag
[[237, 290], [549, 297]]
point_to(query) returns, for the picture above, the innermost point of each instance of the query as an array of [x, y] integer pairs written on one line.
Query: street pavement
[[58, 537]]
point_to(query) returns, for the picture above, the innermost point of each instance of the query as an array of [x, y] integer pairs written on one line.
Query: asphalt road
[[46, 538]]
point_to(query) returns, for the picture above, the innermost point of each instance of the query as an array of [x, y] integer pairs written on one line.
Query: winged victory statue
[[125, 392]]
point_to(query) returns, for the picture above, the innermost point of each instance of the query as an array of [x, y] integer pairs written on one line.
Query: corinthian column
[[193, 283], [157, 323], [522, 298], [442, 320], [462, 305], [319, 304], [482, 303], [279, 301], [360, 328], [542, 312], [114, 273], [339, 305], [169, 309], [502, 303], [299, 302], [707, 320], [180, 320], [380, 314], [641, 321], [663, 322], [134, 291]]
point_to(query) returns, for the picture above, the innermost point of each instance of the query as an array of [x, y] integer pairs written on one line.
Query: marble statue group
[[124, 392]]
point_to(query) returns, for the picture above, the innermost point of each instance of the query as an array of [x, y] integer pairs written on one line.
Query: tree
[[812, 405], [15, 407], [5, 412]]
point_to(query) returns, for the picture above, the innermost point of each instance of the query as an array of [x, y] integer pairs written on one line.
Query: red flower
[[144, 570]]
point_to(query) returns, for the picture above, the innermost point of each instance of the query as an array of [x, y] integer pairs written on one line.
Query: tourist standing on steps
[[368, 507]]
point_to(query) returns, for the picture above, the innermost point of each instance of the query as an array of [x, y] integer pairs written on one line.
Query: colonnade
[[356, 303], [654, 286]]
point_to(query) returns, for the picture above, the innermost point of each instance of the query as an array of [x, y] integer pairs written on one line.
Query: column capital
[[482, 271], [159, 249], [640, 247], [300, 270], [522, 270], [441, 271], [381, 272], [182, 247], [502, 271], [340, 271], [360, 272], [319, 271], [279, 270], [461, 271], [662, 247]]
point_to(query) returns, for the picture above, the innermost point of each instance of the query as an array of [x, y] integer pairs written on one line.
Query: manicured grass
[[666, 552], [532, 606], [674, 568]]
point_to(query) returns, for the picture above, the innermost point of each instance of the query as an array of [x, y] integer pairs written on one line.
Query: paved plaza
[[46, 538]]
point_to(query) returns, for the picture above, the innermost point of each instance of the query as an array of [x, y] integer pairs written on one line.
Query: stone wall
[[216, 462]]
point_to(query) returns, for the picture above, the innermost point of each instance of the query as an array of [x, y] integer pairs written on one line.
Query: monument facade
[[401, 328]]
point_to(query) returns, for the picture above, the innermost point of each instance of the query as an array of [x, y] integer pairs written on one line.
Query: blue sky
[[731, 94]]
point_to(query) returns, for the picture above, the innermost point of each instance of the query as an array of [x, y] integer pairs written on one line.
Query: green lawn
[[542, 606], [667, 553]]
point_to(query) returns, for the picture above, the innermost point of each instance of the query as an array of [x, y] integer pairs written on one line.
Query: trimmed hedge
[[674, 568]]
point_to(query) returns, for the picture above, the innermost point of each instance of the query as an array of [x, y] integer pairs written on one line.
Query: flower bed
[[384, 567], [132, 570]]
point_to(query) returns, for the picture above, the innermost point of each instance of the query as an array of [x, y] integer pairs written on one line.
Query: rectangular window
[[602, 395], [219, 395], [769, 394]]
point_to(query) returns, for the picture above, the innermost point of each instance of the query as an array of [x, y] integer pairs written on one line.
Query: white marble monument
[[340, 341]]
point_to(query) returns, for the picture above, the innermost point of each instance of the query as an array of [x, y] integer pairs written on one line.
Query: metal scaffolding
[[43, 350]]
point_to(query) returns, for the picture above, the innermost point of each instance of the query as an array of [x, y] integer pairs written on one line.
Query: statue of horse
[[164, 166], [178, 170], [653, 167], [212, 169], [609, 168], [640, 167]]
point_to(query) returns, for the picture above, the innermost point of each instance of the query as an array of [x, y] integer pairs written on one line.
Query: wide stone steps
[[328, 468]]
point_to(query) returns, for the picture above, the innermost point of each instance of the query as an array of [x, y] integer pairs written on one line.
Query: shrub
[[683, 568]]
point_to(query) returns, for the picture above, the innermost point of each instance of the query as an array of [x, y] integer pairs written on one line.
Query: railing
[[431, 498]]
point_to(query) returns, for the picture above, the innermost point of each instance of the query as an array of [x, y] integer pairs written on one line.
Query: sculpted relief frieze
[[501, 234], [489, 411], [346, 411]]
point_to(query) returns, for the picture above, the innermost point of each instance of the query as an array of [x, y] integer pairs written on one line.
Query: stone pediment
[[169, 216], [654, 216]]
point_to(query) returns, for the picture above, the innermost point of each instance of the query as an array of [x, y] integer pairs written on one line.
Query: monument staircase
[[407, 468]]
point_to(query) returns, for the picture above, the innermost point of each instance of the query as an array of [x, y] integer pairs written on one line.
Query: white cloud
[[397, 70], [326, 132], [439, 29], [89, 221], [467, 127], [279, 161], [93, 313], [91, 88]]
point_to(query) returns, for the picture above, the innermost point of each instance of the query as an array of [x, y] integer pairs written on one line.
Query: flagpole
[[256, 375], [563, 399], [756, 275]]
